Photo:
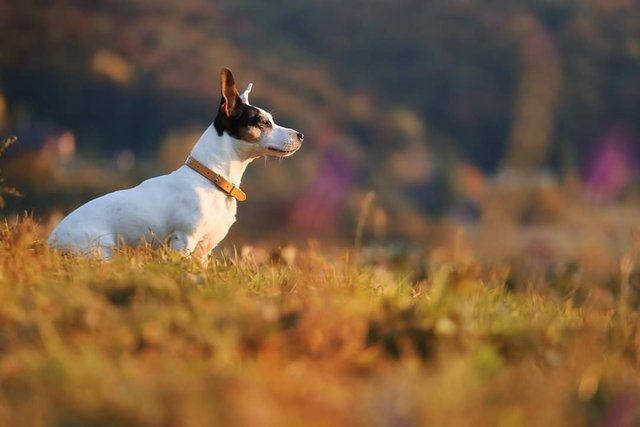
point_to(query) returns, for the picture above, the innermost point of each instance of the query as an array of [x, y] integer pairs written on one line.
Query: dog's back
[[129, 216]]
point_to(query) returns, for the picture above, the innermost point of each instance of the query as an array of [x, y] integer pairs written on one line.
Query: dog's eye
[[265, 122]]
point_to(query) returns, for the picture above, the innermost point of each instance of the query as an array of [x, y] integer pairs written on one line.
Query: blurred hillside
[[429, 104]]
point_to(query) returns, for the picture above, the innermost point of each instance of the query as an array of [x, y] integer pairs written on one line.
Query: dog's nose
[[300, 136]]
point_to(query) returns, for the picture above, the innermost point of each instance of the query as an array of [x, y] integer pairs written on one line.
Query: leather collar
[[227, 187]]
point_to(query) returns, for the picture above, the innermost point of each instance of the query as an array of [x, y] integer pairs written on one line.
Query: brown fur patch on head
[[250, 133]]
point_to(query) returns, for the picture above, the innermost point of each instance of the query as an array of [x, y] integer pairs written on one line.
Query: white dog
[[192, 208]]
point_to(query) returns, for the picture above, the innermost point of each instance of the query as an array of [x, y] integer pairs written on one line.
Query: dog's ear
[[245, 94], [230, 97]]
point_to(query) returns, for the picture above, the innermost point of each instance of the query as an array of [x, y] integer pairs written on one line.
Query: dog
[[192, 208]]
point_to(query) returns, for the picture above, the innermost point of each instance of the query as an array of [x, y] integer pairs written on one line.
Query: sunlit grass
[[153, 339]]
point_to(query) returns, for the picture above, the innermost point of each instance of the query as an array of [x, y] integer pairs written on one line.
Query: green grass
[[151, 339]]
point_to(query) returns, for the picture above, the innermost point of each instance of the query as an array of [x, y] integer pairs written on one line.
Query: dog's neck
[[222, 155]]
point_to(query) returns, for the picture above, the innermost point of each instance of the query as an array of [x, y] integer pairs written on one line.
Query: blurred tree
[[537, 97]]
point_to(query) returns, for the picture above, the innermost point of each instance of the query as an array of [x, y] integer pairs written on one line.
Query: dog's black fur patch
[[239, 125]]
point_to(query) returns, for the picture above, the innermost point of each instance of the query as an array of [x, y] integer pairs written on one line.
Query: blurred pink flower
[[319, 209], [611, 165]]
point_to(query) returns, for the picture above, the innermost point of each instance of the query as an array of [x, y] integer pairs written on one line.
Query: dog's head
[[254, 130]]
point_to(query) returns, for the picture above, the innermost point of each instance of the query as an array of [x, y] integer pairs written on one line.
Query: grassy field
[[307, 338]]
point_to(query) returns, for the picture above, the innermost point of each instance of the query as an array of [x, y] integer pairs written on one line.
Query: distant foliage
[[393, 95], [455, 63]]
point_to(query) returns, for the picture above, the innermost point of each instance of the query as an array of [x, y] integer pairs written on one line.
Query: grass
[[4, 190], [152, 339]]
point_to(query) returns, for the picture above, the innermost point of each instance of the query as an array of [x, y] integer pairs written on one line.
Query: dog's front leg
[[181, 242], [202, 251], [189, 248]]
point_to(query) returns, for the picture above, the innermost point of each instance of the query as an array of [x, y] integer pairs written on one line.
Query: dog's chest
[[217, 215]]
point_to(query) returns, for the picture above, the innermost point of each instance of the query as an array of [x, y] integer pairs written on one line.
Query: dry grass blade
[[7, 142], [8, 191]]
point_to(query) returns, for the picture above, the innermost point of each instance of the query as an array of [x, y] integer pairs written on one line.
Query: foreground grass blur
[[151, 339]]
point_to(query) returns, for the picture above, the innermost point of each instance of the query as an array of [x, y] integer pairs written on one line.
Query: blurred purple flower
[[325, 199], [624, 411], [611, 165]]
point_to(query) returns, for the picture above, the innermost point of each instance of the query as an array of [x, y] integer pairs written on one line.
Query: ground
[[309, 337]]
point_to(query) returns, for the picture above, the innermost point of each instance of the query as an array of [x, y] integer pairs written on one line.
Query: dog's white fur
[[182, 209]]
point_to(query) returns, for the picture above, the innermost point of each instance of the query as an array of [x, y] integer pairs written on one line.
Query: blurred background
[[514, 122]]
